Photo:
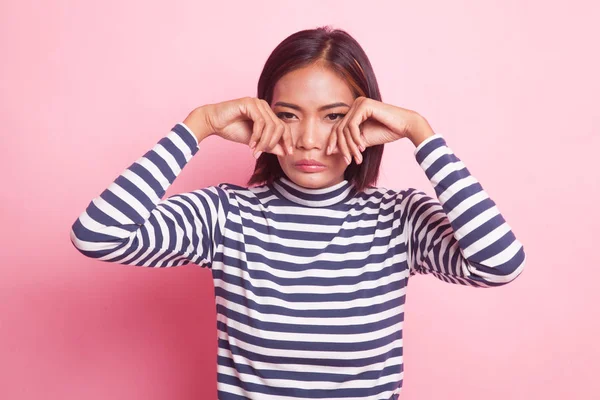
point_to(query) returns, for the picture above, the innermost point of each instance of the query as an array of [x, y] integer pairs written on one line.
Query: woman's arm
[[462, 238], [128, 223]]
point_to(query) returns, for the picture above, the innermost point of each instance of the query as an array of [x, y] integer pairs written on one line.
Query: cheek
[[284, 161], [338, 159], [338, 163]]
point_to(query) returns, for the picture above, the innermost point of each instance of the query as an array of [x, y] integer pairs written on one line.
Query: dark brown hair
[[340, 52]]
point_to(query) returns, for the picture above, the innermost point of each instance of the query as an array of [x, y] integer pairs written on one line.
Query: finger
[[267, 132], [277, 135], [353, 120], [278, 127], [288, 142], [258, 123], [332, 140], [342, 127], [352, 130], [357, 134], [352, 145], [282, 134], [278, 139], [343, 147]]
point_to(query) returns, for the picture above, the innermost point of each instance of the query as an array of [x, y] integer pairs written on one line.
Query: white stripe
[[313, 385], [486, 241], [265, 300], [317, 369], [298, 320], [319, 354]]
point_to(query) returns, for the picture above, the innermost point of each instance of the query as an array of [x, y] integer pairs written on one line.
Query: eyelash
[[332, 120]]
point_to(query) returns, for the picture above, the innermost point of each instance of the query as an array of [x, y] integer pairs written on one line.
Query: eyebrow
[[325, 107]]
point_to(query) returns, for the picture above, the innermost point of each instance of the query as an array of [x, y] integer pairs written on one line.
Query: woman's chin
[[313, 180]]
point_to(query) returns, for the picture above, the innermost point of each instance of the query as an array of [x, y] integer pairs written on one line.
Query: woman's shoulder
[[235, 191], [378, 191], [386, 193], [243, 189]]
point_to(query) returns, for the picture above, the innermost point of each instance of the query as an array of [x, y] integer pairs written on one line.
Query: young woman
[[310, 265]]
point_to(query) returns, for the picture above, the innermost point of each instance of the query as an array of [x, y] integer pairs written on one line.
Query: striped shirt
[[309, 284]]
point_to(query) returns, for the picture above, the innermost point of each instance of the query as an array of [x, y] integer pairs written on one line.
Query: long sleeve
[[461, 237], [128, 223]]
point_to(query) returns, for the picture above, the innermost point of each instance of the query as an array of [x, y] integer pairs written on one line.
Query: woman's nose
[[311, 136]]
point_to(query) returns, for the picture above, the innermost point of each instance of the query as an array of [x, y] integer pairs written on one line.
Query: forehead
[[312, 86]]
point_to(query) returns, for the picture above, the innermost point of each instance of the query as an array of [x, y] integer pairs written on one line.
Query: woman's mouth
[[309, 166]]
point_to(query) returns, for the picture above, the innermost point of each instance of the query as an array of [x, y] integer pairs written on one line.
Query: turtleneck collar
[[323, 197]]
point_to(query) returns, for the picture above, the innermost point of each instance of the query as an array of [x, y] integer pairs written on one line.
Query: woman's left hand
[[369, 122]]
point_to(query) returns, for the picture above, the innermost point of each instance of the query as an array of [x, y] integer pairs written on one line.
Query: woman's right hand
[[247, 120]]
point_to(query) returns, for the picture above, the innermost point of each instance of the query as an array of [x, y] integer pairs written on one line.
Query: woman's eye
[[335, 114], [285, 115]]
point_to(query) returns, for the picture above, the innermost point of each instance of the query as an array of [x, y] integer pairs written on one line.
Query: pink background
[[85, 89]]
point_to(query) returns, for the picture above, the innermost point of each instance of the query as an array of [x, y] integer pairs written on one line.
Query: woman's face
[[311, 100]]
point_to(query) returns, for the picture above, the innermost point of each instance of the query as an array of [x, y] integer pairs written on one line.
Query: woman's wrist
[[420, 130], [197, 121]]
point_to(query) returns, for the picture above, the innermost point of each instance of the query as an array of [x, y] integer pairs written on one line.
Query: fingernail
[[257, 154], [252, 145], [361, 147], [348, 160]]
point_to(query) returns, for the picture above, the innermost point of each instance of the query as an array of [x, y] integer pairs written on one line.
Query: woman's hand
[[247, 120], [370, 122]]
